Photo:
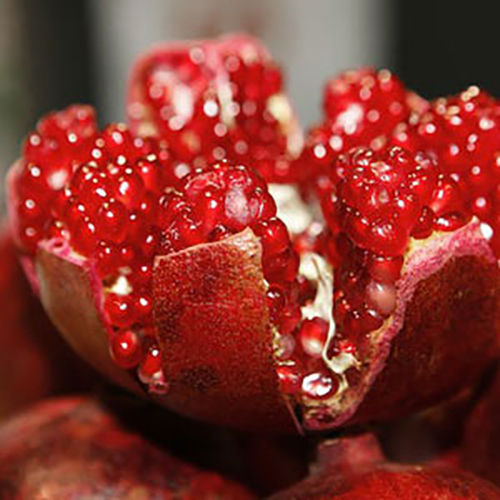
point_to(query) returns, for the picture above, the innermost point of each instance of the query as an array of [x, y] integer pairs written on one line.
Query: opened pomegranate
[[215, 99], [74, 448], [481, 445], [354, 468], [181, 283], [361, 108]]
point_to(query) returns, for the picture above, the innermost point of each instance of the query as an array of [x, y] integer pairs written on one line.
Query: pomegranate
[[480, 449], [406, 261], [170, 278], [215, 99], [354, 468], [361, 108], [34, 362], [73, 447], [170, 270]]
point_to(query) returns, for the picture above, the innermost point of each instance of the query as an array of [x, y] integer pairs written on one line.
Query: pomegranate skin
[[481, 446], [227, 362], [430, 297], [214, 381], [354, 468], [72, 447]]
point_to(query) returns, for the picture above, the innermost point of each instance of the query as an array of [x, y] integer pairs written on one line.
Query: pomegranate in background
[[73, 447], [354, 468], [481, 445], [34, 363]]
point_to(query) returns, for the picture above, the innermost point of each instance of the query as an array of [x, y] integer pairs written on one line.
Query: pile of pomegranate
[[211, 257]]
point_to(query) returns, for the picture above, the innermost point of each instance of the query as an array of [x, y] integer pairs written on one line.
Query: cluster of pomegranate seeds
[[215, 100], [462, 133], [47, 166], [361, 108], [100, 191], [381, 201]]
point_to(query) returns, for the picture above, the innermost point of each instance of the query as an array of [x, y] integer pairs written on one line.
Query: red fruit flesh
[[362, 107], [354, 468], [74, 447], [214, 99], [481, 446]]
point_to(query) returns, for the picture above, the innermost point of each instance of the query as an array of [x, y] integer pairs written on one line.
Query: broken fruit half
[[416, 287]]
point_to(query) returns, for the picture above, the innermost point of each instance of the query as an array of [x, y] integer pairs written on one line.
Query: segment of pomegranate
[[361, 108], [416, 289], [75, 448], [214, 99], [354, 468], [481, 446]]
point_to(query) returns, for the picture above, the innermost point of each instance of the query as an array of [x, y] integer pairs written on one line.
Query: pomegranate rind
[[215, 336], [480, 451], [69, 291], [354, 468], [74, 448], [441, 337]]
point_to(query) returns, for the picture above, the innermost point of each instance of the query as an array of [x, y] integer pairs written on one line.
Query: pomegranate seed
[[151, 364], [119, 310], [126, 349], [312, 336]]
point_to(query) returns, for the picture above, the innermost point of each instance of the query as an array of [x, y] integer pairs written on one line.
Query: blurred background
[[56, 52]]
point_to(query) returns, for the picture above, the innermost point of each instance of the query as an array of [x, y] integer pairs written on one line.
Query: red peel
[[75, 448], [354, 468]]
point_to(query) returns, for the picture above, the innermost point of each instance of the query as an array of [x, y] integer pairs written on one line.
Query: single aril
[[169, 301], [420, 308], [74, 447], [354, 468], [361, 108], [215, 99]]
